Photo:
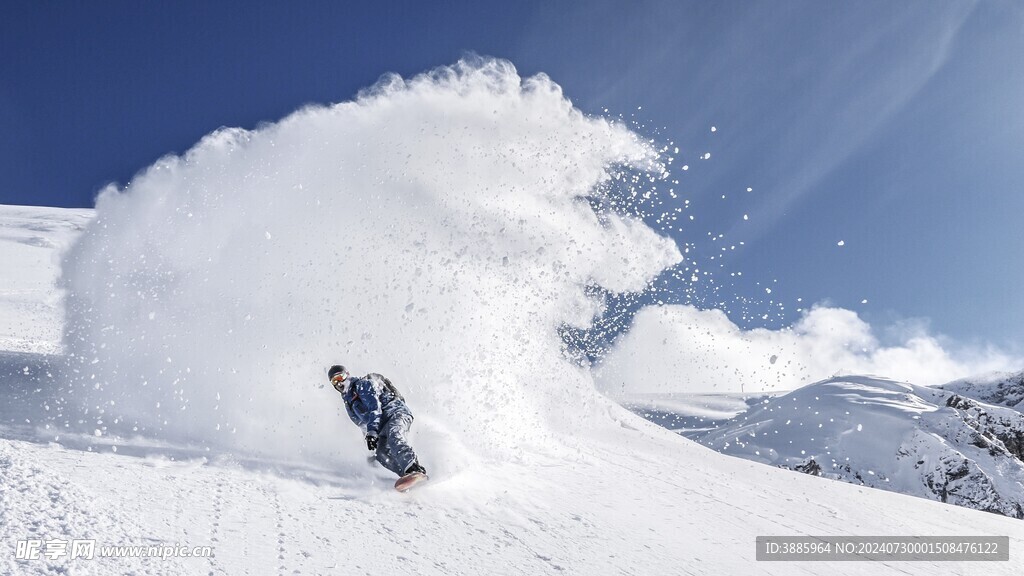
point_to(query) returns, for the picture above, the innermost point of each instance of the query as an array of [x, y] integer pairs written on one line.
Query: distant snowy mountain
[[874, 432], [1000, 389]]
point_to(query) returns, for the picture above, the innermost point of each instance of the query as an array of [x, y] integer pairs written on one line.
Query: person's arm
[[369, 395], [348, 407]]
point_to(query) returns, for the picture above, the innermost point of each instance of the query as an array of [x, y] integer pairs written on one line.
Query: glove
[[371, 442]]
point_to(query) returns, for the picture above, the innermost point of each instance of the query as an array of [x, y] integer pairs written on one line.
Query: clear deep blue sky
[[896, 127]]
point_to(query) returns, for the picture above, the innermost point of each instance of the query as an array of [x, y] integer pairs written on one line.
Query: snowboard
[[406, 482]]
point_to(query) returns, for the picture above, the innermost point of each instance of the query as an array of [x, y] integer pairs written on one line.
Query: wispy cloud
[[799, 86], [683, 349], [876, 70]]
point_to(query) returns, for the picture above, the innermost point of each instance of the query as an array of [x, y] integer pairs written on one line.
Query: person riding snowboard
[[375, 405]]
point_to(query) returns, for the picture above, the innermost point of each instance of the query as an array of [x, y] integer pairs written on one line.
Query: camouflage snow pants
[[393, 450]]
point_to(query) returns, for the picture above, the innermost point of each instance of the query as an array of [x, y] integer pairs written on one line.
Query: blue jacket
[[370, 401]]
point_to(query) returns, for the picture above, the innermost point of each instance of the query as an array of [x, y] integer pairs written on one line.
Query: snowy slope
[[639, 501], [890, 435], [30, 308]]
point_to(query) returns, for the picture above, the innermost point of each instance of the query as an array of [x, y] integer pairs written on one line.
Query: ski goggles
[[339, 378]]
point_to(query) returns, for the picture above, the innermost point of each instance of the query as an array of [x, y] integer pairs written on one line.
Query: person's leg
[[393, 445], [382, 451]]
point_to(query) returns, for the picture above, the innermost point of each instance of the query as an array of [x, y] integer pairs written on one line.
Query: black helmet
[[335, 370]]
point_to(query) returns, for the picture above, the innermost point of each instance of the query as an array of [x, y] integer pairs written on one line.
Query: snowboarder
[[375, 405]]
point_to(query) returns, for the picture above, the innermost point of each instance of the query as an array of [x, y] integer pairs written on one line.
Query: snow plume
[[683, 349], [434, 229]]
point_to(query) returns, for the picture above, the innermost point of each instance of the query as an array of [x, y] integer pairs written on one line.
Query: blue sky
[[895, 127]]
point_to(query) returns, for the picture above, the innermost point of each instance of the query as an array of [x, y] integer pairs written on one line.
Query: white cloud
[[683, 349]]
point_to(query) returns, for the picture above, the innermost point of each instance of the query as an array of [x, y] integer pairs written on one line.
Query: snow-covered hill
[[895, 436], [31, 310], [434, 230]]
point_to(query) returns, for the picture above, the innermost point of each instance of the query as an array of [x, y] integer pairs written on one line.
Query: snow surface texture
[[682, 349], [30, 309], [430, 230], [910, 439]]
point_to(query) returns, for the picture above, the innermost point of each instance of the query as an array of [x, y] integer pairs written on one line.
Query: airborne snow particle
[[441, 232], [714, 129], [841, 243]]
